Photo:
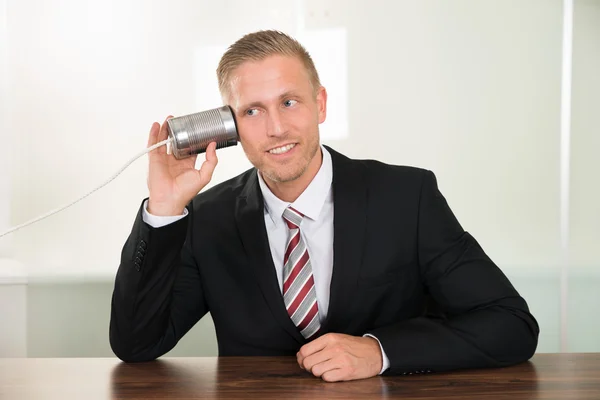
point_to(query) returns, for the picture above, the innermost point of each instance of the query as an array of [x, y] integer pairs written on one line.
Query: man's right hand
[[173, 183]]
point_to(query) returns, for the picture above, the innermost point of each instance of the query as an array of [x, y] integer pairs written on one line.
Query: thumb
[[208, 166]]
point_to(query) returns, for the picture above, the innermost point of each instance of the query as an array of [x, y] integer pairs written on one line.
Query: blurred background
[[500, 98]]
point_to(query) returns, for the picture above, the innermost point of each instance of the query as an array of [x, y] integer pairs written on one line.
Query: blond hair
[[257, 46]]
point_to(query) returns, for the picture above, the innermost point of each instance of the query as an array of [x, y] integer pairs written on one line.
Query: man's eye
[[289, 103], [251, 112]]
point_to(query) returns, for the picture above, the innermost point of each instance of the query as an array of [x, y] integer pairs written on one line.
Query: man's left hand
[[338, 357]]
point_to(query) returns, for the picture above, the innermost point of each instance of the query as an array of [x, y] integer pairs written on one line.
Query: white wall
[[13, 316], [467, 88], [584, 258], [585, 190], [5, 136]]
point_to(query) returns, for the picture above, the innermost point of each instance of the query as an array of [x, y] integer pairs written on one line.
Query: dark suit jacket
[[404, 270]]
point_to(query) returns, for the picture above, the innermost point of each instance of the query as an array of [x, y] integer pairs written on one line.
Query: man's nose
[[275, 124]]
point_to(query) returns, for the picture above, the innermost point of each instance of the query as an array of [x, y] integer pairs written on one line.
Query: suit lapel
[[249, 215], [349, 228]]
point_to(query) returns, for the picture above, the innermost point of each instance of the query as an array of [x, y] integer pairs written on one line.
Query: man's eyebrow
[[287, 93], [252, 105]]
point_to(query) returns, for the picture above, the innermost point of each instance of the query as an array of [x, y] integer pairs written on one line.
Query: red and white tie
[[298, 283]]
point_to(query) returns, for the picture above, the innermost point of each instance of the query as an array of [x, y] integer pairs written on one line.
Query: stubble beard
[[293, 175]]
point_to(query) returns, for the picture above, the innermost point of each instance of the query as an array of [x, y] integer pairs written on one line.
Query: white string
[[41, 217]]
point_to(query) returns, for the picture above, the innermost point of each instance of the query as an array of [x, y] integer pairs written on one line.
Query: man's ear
[[322, 104]]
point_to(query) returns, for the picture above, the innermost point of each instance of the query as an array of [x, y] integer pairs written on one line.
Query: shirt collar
[[310, 202]]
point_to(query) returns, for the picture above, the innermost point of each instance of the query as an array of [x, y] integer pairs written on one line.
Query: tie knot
[[292, 217]]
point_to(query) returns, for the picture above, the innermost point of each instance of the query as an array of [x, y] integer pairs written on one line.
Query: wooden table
[[547, 376]]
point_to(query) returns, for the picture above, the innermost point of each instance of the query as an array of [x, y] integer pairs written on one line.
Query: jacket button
[[138, 260], [143, 244], [139, 254]]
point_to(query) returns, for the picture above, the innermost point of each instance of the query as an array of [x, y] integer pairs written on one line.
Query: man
[[355, 267]]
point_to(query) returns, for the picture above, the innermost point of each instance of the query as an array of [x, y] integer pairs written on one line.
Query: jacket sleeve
[[484, 322], [157, 295]]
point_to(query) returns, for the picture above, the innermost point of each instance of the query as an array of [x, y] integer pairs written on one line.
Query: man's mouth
[[282, 149]]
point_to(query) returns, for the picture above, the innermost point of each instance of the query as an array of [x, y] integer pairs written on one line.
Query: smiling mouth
[[282, 149]]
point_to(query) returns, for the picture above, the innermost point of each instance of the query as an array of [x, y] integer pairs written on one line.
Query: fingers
[[311, 362], [163, 134], [208, 166], [334, 375], [326, 366], [310, 348], [157, 134], [153, 134], [339, 357], [316, 345]]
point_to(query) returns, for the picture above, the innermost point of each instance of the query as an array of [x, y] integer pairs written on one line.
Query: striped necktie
[[298, 283]]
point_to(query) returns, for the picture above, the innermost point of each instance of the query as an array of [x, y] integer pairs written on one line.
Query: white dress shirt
[[316, 203], [316, 228]]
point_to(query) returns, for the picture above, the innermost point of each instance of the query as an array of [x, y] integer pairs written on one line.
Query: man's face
[[278, 116]]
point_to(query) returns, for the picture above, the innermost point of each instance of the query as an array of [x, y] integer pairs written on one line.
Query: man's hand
[[337, 357], [173, 183]]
